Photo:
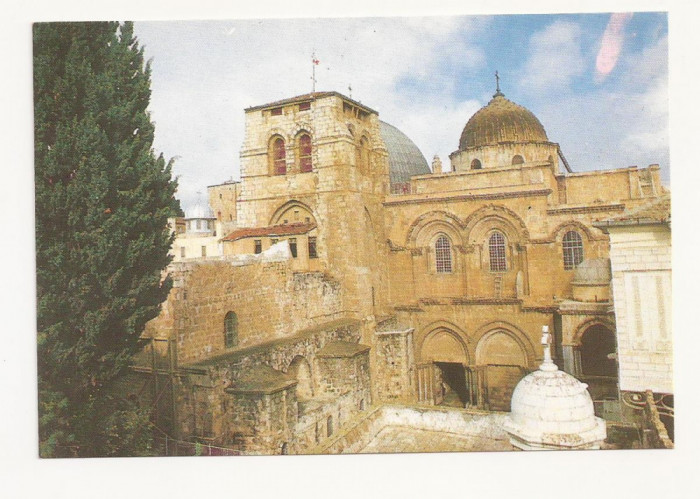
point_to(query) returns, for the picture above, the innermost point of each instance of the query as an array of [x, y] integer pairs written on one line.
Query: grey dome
[[593, 271], [405, 159]]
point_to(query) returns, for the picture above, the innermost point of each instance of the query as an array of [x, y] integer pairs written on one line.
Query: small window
[[305, 164], [182, 252], [293, 247], [443, 255], [312, 248], [279, 156], [258, 246], [231, 330], [572, 246], [476, 164], [285, 449], [276, 111], [273, 242], [518, 160], [304, 106], [362, 155], [204, 251], [329, 426], [497, 252]]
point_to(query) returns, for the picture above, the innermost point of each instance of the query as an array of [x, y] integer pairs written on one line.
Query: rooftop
[[657, 211], [342, 349], [308, 97], [273, 230]]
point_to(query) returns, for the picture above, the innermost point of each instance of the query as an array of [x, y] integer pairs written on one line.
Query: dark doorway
[[454, 384], [599, 363], [598, 352]]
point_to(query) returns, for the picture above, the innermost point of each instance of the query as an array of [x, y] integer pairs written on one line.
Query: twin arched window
[[443, 255], [497, 252], [572, 247], [279, 154], [230, 330]]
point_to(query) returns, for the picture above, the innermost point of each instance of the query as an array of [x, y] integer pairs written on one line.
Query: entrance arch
[[598, 354], [442, 375], [501, 362]]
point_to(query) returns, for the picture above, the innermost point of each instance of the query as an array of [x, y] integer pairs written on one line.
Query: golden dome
[[501, 121]]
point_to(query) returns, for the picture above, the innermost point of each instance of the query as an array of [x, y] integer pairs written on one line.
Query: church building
[[342, 273]]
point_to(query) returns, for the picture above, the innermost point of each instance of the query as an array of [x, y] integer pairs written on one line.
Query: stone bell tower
[[324, 154]]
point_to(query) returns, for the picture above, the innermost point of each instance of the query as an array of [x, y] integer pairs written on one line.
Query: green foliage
[[102, 203]]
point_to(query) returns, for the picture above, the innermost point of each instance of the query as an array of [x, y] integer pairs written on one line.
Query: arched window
[[476, 164], [443, 255], [279, 156], [305, 164], [572, 246], [497, 252], [329, 426], [518, 160], [231, 330]]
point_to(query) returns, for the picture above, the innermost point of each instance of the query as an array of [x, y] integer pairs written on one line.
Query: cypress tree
[[102, 202]]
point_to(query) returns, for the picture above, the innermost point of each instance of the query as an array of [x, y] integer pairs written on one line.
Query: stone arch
[[475, 164], [558, 232], [589, 323], [300, 369], [491, 217], [302, 127], [278, 216], [487, 332], [417, 235], [277, 132], [443, 344], [518, 159]]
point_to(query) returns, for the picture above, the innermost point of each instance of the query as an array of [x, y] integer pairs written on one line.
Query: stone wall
[[395, 366], [269, 299], [215, 407], [641, 269]]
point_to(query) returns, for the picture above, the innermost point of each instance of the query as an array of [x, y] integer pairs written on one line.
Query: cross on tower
[[350, 91], [498, 88], [314, 63]]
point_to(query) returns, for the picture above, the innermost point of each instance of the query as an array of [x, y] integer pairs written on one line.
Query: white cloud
[[555, 58], [206, 73]]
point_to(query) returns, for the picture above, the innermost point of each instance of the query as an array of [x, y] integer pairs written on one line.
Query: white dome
[[199, 211], [551, 409]]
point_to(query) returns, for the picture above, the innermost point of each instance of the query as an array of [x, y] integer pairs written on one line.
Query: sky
[[597, 82]]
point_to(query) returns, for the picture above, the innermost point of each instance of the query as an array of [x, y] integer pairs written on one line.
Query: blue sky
[[425, 75]]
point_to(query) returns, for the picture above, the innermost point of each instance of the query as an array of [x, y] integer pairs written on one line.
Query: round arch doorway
[[442, 374], [598, 354]]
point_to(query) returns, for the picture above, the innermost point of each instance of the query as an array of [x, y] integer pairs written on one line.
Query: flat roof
[[309, 97]]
